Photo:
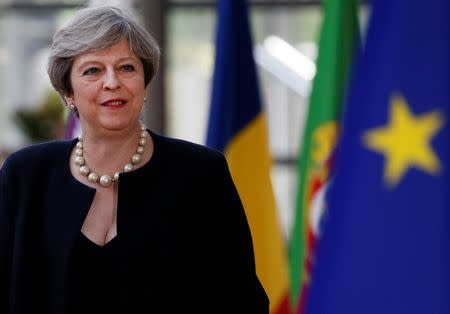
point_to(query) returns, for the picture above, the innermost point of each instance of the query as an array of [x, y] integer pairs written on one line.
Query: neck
[[109, 152]]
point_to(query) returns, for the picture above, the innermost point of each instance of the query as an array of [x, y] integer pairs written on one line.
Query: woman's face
[[108, 89]]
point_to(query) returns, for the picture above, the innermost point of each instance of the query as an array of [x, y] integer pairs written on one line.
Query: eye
[[91, 71], [127, 68]]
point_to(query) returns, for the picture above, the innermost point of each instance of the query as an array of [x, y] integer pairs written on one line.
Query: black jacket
[[184, 237]]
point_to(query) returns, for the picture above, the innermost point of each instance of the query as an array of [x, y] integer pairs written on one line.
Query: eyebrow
[[89, 61]]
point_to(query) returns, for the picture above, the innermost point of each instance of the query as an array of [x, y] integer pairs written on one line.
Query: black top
[[93, 284], [185, 244]]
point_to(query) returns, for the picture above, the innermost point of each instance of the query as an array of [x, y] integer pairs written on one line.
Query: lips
[[114, 103]]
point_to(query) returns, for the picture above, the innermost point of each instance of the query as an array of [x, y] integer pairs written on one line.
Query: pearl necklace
[[107, 180]]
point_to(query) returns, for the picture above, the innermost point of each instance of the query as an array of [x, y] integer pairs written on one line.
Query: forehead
[[116, 52]]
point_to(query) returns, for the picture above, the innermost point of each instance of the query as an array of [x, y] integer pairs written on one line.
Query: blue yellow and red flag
[[238, 127]]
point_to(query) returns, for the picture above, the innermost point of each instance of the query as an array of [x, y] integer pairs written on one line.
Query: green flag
[[338, 40]]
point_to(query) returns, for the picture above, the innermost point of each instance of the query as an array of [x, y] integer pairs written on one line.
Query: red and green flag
[[337, 45]]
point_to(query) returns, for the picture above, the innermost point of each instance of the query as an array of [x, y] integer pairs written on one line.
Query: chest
[[100, 224]]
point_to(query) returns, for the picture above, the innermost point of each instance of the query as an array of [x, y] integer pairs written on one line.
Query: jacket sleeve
[[6, 236], [247, 294]]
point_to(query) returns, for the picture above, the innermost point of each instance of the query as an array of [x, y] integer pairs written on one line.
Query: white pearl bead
[[93, 177], [128, 167], [79, 160], [140, 149], [136, 158], [84, 170], [105, 180]]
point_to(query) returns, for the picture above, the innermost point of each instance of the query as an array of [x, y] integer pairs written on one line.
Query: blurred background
[[285, 35]]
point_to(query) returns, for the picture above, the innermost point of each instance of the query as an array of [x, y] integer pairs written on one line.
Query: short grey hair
[[94, 29]]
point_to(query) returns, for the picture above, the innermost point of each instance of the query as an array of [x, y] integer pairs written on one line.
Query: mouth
[[114, 103]]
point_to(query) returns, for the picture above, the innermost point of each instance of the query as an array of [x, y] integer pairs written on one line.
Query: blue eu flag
[[385, 245]]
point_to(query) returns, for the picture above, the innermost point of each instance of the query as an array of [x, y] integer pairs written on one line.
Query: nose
[[111, 80]]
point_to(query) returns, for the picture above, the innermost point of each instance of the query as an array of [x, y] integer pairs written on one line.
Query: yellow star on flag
[[405, 141]]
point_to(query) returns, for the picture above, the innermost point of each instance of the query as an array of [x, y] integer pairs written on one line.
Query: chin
[[118, 125]]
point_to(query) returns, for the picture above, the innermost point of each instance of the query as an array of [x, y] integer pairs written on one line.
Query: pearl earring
[[72, 107]]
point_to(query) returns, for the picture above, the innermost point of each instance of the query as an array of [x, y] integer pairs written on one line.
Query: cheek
[[138, 87], [84, 90]]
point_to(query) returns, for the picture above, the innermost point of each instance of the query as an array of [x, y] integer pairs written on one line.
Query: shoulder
[[37, 156], [187, 153]]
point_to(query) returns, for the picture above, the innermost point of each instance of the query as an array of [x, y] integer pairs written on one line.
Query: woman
[[121, 220]]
